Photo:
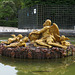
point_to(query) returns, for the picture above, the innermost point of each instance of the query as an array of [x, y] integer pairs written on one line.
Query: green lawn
[[4, 38], [72, 40]]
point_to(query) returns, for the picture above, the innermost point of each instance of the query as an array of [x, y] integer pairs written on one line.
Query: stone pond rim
[[66, 32]]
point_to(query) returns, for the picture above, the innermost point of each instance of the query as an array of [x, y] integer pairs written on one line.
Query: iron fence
[[34, 17]]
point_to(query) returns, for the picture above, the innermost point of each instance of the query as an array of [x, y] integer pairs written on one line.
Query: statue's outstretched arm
[[42, 30]]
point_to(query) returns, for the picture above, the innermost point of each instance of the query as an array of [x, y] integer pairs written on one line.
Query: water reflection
[[7, 70], [37, 67]]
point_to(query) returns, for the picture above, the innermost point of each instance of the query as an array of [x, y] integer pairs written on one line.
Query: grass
[[4, 38], [72, 40]]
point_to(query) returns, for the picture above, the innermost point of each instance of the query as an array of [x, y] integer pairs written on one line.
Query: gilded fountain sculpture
[[46, 38]]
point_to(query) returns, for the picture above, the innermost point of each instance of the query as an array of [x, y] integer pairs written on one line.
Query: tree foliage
[[33, 2], [19, 4], [9, 8]]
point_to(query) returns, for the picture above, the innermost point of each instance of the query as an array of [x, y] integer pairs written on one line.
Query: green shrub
[[9, 23]]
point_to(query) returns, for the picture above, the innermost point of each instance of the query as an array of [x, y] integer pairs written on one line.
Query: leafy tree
[[34, 2], [19, 4], [8, 10]]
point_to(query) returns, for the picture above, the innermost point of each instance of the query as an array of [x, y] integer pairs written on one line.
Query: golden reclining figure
[[48, 36]]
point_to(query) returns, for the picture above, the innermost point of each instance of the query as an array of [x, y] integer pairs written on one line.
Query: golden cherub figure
[[20, 43], [15, 38]]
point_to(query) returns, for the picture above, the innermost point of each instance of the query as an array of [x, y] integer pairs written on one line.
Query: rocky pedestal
[[32, 52]]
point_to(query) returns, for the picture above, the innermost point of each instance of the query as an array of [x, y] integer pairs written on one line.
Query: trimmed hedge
[[9, 23]]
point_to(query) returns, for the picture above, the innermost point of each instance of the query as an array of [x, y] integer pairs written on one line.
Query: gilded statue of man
[[48, 36]]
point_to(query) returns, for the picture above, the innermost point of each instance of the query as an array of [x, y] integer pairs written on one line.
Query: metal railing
[[34, 17]]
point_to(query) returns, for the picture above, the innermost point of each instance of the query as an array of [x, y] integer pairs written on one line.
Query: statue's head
[[47, 23], [13, 35], [20, 36], [63, 38]]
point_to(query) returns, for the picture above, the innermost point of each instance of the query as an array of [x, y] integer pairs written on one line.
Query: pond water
[[64, 66]]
